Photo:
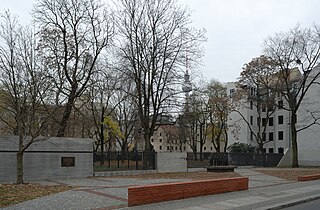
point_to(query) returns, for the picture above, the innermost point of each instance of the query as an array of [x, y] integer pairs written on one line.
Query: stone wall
[[48, 159]]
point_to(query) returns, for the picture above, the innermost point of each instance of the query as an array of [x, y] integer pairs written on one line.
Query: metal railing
[[238, 159], [110, 161]]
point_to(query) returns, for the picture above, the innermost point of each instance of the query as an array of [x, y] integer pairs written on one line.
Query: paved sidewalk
[[111, 193], [257, 179], [269, 197]]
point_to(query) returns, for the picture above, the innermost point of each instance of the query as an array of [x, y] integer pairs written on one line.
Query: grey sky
[[235, 28]]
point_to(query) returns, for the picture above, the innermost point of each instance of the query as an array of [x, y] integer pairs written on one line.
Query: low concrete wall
[[305, 157], [286, 160], [172, 191], [43, 159], [171, 162], [310, 157]]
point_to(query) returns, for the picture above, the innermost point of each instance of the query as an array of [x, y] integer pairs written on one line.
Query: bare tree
[[219, 109], [200, 108], [125, 114], [174, 137], [254, 93], [101, 90], [156, 35], [296, 55], [73, 35], [23, 85]]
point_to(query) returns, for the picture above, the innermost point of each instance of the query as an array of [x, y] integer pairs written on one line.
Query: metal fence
[[238, 159], [110, 161]]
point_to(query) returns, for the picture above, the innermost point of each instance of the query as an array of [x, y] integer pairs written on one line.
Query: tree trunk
[[20, 167], [102, 138], [101, 145], [148, 149], [194, 149], [201, 142], [260, 145], [226, 141], [65, 117], [294, 144]]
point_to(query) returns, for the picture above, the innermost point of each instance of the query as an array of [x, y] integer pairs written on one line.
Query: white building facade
[[278, 131]]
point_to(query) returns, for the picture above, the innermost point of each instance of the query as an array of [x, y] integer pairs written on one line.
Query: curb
[[294, 203]]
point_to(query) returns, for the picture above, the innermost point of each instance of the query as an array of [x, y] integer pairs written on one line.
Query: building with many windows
[[167, 138], [275, 121]]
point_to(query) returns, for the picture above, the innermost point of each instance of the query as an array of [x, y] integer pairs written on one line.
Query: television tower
[[187, 87]]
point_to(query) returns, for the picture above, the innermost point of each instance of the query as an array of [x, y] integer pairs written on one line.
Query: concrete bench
[[140, 195], [309, 177], [220, 168]]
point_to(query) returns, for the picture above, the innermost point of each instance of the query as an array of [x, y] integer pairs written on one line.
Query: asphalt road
[[312, 205]]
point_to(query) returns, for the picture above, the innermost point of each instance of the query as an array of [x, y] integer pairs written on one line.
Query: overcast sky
[[235, 28]]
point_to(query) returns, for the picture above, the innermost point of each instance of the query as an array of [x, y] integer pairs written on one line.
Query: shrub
[[241, 147]]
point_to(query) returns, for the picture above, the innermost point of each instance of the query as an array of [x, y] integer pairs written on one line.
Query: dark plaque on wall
[[67, 161]]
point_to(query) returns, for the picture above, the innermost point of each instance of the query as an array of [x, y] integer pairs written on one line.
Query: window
[[280, 135], [211, 148], [270, 150], [184, 148], [251, 105], [251, 120], [264, 150], [160, 134], [151, 140], [271, 136], [232, 92], [160, 147], [280, 119], [271, 121], [258, 121], [280, 104], [67, 161], [253, 91], [176, 148], [251, 136], [160, 140], [280, 150], [264, 121], [168, 148], [263, 108], [204, 148], [264, 138]]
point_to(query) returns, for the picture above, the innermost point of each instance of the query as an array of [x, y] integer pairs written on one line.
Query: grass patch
[[13, 193]]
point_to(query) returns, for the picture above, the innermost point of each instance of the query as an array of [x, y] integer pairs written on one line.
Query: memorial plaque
[[67, 161]]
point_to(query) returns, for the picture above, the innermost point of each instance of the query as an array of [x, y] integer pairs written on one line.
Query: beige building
[[167, 138]]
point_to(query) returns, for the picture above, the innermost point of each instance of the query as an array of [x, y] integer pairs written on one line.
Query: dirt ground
[[285, 173], [180, 175], [12, 193], [289, 173]]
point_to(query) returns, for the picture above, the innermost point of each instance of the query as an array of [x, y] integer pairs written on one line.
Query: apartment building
[[274, 127], [277, 135]]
